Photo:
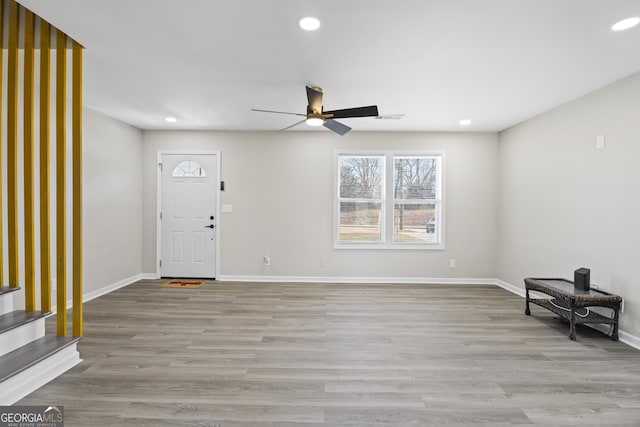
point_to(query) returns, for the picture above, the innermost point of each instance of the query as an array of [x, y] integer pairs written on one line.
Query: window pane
[[361, 177], [360, 222], [415, 223], [189, 169], [414, 177]]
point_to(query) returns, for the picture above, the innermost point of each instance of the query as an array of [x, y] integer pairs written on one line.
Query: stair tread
[[28, 355], [7, 289], [18, 318]]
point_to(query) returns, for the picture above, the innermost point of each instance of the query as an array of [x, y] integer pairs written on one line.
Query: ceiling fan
[[316, 116]]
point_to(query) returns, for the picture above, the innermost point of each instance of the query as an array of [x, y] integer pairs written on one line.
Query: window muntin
[[410, 218], [188, 169]]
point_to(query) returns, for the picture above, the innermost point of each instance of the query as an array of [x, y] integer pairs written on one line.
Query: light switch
[[227, 208], [600, 141]]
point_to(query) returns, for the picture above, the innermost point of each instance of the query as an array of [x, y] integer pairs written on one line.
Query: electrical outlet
[[452, 263], [266, 260]]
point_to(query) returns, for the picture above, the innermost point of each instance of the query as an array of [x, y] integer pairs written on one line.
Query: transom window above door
[[189, 169]]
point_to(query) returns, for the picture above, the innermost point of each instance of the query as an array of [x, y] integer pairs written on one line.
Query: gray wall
[[565, 204], [112, 201], [281, 187]]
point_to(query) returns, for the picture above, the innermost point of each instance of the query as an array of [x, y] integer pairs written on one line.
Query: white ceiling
[[207, 62]]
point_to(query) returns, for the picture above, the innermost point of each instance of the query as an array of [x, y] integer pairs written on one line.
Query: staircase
[[28, 358]]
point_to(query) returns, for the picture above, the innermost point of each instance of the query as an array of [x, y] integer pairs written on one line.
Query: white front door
[[187, 215]]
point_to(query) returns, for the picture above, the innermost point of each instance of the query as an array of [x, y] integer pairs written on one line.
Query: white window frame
[[388, 201]]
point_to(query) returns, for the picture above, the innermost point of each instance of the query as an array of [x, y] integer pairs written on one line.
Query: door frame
[[159, 203]]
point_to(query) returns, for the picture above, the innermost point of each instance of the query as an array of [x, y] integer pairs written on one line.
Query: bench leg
[[572, 327], [614, 334]]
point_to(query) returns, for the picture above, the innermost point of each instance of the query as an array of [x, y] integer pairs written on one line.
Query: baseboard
[[511, 288], [625, 337], [105, 290], [629, 339], [342, 279], [113, 287]]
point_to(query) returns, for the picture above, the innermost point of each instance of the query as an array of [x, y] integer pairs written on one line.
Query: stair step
[[31, 354], [6, 299], [19, 328], [7, 290], [18, 318], [28, 368]]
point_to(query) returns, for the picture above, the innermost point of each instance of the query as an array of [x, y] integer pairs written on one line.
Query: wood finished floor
[[255, 354]]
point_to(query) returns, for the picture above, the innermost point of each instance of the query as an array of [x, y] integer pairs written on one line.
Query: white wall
[[112, 201], [564, 204], [281, 187]]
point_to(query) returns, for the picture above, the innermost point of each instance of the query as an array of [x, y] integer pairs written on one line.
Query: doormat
[[183, 283]]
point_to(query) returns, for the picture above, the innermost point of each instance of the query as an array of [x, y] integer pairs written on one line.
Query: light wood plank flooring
[[256, 354]]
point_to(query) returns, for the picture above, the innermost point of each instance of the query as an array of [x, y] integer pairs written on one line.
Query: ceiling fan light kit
[[316, 116], [315, 121]]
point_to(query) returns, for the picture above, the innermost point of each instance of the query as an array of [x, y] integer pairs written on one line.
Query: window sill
[[402, 247]]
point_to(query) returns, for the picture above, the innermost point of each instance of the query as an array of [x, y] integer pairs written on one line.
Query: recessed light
[[625, 24], [309, 23], [465, 122], [171, 119]]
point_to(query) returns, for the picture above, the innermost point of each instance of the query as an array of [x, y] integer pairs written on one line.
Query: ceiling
[[208, 62]]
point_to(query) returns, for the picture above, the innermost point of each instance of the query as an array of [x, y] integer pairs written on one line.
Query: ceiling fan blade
[[370, 111], [336, 126], [278, 112], [314, 96], [293, 125]]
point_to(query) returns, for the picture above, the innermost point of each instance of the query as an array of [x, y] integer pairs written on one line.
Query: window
[[407, 216], [361, 198], [414, 199], [189, 169]]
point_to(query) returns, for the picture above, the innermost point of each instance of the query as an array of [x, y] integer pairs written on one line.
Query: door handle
[[209, 226]]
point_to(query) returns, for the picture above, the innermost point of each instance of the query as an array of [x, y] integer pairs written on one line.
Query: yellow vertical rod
[[45, 140], [77, 188], [61, 230], [28, 141], [12, 145], [1, 123]]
